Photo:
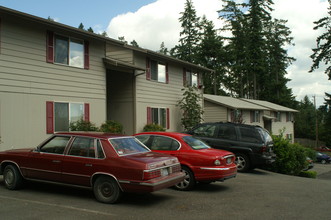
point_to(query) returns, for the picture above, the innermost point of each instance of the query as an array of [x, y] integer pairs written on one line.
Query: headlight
[[217, 162]]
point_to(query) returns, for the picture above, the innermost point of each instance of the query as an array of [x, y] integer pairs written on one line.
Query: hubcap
[[184, 184], [9, 178], [106, 189], [240, 161]]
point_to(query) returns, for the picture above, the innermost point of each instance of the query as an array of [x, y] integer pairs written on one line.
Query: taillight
[[151, 174], [263, 149]]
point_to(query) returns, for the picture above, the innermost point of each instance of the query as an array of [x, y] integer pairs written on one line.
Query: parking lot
[[257, 195]]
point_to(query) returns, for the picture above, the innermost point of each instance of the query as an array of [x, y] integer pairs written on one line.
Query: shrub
[[111, 126], [82, 125], [153, 127], [291, 158], [308, 174]]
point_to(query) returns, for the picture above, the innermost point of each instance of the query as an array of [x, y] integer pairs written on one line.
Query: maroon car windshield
[[128, 145], [196, 144]]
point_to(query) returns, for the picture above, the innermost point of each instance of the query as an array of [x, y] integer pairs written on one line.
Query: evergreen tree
[[163, 49], [134, 43], [211, 54], [90, 30], [305, 120], [81, 26], [322, 53], [186, 49], [122, 39]]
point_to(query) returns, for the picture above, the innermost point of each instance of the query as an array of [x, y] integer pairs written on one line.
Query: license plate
[[164, 172]]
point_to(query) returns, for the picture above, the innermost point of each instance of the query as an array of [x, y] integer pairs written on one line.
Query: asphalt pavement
[[256, 195]]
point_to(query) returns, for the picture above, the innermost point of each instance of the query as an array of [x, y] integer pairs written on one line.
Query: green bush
[[291, 158], [82, 125], [308, 174], [111, 126], [153, 127]]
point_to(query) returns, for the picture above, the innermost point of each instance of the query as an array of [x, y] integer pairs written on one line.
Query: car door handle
[[88, 165], [56, 161]]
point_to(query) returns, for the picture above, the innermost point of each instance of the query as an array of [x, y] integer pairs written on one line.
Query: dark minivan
[[251, 144]]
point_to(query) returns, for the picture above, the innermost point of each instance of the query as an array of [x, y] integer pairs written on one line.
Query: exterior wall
[[27, 81], [287, 127], [119, 53], [159, 95], [214, 112]]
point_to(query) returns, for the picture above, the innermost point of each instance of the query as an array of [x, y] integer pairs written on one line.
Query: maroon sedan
[[106, 163], [200, 162]]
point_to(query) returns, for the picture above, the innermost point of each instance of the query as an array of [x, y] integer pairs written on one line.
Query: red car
[[324, 148], [106, 163], [200, 162]]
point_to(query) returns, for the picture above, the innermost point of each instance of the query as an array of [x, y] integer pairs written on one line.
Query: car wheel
[[243, 163], [323, 161], [188, 183], [12, 177], [106, 190]]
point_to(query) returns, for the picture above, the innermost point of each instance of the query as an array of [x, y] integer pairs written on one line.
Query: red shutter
[[148, 68], [49, 117], [149, 115], [50, 47], [168, 118], [167, 73], [86, 112], [86, 55], [184, 77]]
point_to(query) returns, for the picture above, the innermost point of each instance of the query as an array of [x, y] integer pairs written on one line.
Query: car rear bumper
[[152, 185], [215, 173]]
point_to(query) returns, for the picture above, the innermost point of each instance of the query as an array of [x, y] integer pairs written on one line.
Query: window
[[278, 116], [158, 116], [56, 145], [191, 78], [61, 114], [289, 116], [68, 51], [250, 135], [226, 132], [83, 147], [125, 146], [164, 143], [157, 71], [205, 130], [236, 116], [289, 136], [255, 116]]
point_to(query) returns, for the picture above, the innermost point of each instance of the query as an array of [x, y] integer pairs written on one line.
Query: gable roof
[[232, 103], [270, 105], [7, 11]]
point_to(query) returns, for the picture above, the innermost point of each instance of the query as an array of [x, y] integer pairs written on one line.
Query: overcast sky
[[151, 22]]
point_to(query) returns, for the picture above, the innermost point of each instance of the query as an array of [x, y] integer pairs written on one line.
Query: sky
[[151, 22]]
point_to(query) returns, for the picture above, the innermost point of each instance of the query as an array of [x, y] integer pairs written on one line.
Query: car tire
[[12, 177], [188, 183], [106, 190], [243, 163]]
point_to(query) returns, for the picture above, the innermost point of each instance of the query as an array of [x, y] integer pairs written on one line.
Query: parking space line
[[60, 206]]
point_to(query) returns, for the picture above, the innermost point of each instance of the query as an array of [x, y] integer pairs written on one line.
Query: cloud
[[158, 22]]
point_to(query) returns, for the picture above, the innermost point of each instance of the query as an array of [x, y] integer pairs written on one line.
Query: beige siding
[[214, 112], [27, 81], [119, 53], [159, 95]]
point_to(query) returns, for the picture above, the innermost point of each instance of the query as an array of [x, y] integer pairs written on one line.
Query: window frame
[[255, 116], [149, 71], [50, 114], [150, 116], [51, 50], [188, 78]]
